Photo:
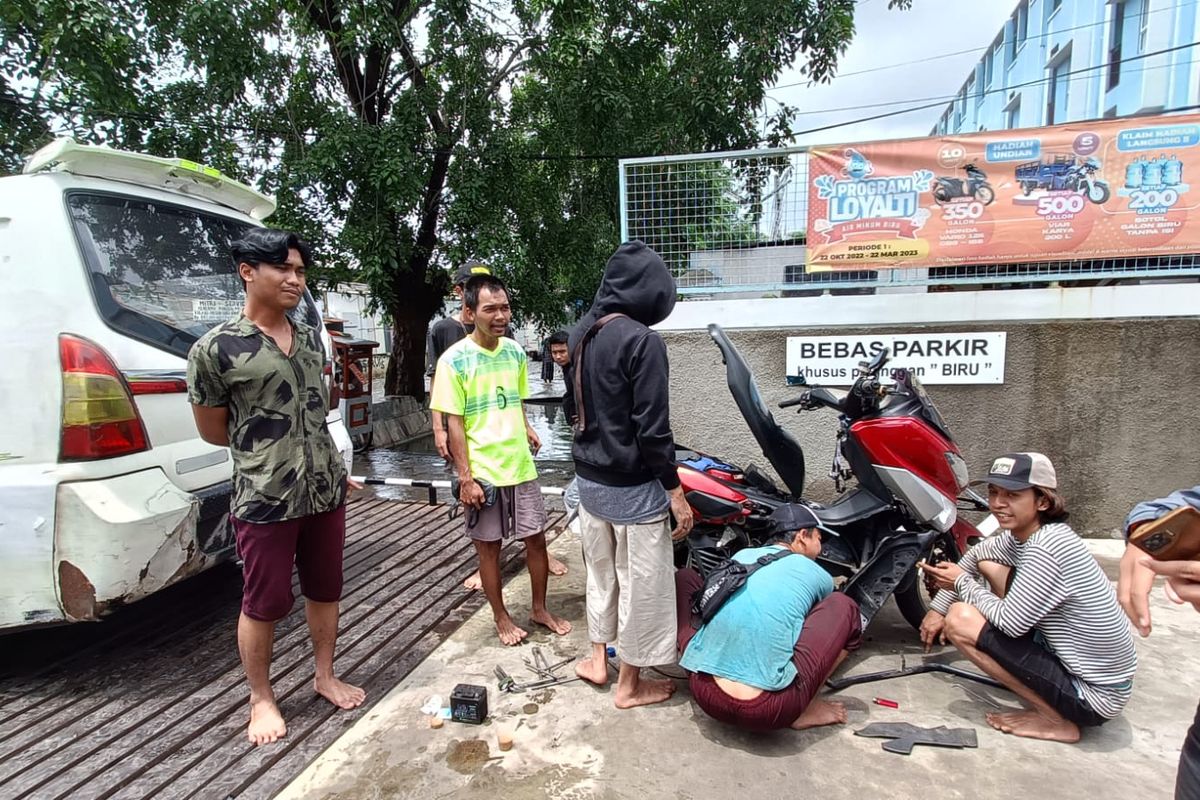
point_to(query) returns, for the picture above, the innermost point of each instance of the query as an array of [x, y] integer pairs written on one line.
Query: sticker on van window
[[215, 309]]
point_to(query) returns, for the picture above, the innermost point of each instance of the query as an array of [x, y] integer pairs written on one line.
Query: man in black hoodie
[[617, 392]]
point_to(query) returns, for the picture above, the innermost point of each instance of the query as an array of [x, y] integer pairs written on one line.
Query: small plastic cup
[[505, 731]]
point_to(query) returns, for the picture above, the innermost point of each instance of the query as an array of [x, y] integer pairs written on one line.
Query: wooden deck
[[151, 703]]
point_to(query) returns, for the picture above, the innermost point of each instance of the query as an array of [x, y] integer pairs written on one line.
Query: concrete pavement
[[571, 742]]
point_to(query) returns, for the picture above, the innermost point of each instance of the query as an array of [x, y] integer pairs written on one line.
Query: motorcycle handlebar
[[795, 401]]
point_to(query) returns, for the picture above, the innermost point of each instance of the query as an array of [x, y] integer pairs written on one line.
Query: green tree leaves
[[403, 136]]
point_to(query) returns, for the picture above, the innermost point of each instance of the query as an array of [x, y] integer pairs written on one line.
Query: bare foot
[[646, 693], [340, 693], [557, 567], [592, 671], [547, 620], [510, 634], [266, 723], [473, 583], [821, 712], [1033, 725]]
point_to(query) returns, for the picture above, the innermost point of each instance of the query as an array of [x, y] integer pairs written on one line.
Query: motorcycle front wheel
[[985, 194], [1098, 193], [915, 596]]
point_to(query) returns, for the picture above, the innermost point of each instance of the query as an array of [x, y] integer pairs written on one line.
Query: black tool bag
[[724, 581]]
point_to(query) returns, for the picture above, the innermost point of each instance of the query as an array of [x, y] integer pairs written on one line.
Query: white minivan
[[115, 264]]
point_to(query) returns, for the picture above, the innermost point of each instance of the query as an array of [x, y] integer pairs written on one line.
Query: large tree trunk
[[406, 363], [410, 323]]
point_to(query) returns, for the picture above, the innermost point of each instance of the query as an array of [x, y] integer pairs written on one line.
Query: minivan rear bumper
[[119, 539]]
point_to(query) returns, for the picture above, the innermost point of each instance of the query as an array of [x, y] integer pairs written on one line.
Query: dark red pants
[[268, 550], [831, 626]]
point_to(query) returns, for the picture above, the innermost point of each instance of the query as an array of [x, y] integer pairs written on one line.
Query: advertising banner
[[933, 357], [1103, 189]]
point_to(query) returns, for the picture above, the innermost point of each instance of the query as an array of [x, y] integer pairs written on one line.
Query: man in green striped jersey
[[479, 386]]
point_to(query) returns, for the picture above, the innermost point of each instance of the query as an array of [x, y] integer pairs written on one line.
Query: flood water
[[419, 460]]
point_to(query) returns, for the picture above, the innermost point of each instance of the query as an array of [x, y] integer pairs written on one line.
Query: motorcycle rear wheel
[[1098, 193]]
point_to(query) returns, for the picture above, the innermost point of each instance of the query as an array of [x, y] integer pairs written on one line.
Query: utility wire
[[939, 101], [971, 50]]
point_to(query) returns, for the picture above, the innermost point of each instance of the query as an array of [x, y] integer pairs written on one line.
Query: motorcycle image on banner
[[900, 476]]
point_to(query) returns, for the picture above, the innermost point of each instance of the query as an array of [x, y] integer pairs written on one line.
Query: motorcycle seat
[[850, 507]]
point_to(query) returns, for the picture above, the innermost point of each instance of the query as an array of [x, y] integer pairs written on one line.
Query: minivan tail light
[[157, 385], [99, 419]]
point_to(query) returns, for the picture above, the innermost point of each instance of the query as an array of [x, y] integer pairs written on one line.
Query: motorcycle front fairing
[[893, 563]]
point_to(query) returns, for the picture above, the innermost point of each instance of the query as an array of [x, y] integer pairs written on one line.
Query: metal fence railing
[[736, 222]]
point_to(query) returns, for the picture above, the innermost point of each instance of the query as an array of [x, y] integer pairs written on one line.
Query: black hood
[[636, 283]]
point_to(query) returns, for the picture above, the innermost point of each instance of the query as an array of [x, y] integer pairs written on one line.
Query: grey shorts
[[518, 511]]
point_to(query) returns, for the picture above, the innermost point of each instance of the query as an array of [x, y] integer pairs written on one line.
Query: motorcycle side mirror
[[878, 361]]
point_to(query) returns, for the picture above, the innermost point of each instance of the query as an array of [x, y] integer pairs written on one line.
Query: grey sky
[[885, 38]]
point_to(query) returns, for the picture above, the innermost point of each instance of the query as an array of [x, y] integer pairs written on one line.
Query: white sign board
[[932, 357]]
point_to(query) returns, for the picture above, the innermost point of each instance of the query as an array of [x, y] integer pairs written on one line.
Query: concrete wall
[[397, 420], [1112, 402]]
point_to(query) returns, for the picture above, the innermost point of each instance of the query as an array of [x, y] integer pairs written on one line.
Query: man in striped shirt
[[1032, 608]]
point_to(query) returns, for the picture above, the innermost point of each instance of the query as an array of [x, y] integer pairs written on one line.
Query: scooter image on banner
[[974, 186], [1083, 179]]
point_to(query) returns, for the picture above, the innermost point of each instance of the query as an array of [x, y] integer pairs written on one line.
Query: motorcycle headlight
[[959, 468]]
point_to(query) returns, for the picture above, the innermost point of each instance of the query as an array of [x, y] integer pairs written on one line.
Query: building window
[[1144, 26], [1057, 94], [969, 91], [1017, 30], [1012, 115], [1052, 7], [1114, 45], [988, 66]]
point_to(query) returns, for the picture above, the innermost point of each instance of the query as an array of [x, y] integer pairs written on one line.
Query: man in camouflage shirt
[[256, 386]]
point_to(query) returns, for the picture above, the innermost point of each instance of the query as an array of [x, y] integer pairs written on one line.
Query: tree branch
[[327, 18]]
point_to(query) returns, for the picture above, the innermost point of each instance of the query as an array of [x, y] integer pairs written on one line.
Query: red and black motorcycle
[[910, 482]]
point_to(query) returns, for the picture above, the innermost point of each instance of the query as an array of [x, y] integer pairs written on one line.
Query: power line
[[938, 101], [970, 50]]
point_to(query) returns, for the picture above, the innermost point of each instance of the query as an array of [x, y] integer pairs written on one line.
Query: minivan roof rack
[[172, 174]]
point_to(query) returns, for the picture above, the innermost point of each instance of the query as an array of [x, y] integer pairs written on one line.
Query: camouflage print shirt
[[285, 464]]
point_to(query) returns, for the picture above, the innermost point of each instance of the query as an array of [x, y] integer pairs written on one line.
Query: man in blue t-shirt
[[759, 662]]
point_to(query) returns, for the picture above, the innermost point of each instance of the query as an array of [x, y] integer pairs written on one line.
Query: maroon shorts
[[831, 626], [268, 550]]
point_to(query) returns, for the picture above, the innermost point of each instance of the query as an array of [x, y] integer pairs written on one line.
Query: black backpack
[[724, 581]]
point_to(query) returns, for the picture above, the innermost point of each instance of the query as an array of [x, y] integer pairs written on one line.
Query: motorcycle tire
[[985, 194], [1098, 193], [1026, 188], [915, 595]]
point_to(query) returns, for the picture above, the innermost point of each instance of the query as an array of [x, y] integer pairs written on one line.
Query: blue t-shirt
[[752, 636]]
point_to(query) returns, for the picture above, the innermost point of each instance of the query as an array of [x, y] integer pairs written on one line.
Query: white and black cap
[[1018, 471]]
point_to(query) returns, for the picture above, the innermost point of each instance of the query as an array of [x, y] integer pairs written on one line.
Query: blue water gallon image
[[1173, 171], [1153, 173], [1133, 174]]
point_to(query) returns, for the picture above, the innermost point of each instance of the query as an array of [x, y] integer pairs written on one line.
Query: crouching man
[[1044, 619], [759, 662]]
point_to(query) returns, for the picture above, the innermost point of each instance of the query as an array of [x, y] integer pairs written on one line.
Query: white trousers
[[631, 588]]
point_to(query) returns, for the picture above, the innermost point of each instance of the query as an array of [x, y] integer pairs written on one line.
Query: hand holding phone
[[1171, 537]]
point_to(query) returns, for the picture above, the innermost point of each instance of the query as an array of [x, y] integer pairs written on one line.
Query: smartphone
[[1172, 537]]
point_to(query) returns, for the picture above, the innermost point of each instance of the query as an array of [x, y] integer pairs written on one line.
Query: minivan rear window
[[161, 273]]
